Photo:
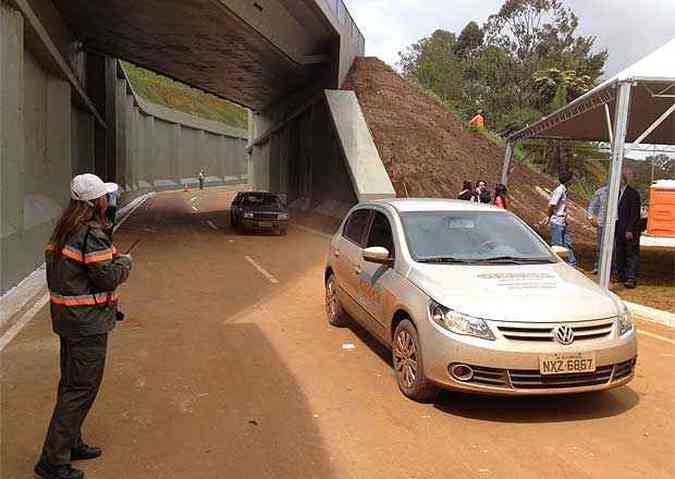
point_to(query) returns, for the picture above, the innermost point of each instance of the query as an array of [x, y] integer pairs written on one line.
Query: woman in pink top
[[501, 197]]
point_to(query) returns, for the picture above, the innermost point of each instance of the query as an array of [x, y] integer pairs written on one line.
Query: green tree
[[433, 64], [470, 41]]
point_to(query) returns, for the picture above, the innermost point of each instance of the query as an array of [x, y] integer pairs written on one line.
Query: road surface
[[226, 368]]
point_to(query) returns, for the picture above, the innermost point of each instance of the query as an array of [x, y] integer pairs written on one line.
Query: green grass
[[172, 94]]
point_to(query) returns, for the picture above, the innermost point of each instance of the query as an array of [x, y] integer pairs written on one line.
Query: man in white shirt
[[557, 217]]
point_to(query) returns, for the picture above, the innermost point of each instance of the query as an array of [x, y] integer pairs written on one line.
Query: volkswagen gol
[[469, 297]]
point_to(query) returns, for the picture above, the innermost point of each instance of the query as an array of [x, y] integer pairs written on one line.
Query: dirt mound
[[429, 152]]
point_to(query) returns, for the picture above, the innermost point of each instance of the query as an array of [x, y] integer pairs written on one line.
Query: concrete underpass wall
[[50, 131], [37, 157], [325, 155], [304, 161], [159, 148]]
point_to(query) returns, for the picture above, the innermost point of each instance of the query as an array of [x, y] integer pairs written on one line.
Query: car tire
[[334, 311], [408, 366]]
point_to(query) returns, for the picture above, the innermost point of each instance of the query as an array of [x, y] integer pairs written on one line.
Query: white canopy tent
[[635, 107]]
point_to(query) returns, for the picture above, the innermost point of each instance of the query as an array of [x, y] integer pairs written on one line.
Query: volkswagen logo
[[564, 334]]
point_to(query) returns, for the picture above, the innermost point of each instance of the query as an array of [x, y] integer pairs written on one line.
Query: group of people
[[481, 194], [626, 257]]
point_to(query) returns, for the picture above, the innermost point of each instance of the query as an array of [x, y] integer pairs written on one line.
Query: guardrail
[[345, 18]]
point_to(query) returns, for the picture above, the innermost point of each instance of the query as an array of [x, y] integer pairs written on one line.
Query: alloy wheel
[[405, 358]]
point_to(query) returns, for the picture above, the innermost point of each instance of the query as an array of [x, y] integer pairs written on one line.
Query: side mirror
[[561, 251], [376, 254]]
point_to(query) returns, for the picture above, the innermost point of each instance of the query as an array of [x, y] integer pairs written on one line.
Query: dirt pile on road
[[429, 152]]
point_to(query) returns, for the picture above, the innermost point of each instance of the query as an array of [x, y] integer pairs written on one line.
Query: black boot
[[62, 471], [83, 451]]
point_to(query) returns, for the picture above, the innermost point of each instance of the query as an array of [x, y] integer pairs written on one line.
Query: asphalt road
[[226, 368]]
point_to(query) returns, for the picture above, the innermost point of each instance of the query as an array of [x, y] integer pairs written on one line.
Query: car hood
[[518, 293]]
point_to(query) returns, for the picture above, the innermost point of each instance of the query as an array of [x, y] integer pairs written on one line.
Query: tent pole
[[507, 163], [620, 127]]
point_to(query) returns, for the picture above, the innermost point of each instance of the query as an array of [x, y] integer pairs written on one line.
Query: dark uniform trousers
[[627, 256], [82, 365]]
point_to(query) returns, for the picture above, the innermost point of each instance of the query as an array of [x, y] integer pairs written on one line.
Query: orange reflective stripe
[[83, 300], [93, 257], [72, 253], [96, 256]]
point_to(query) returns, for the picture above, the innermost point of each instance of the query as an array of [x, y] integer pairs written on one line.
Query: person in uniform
[[83, 273]]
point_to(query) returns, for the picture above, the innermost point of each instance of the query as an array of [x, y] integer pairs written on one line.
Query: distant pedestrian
[[557, 217], [627, 235], [482, 193], [501, 197], [478, 121], [201, 179], [467, 193], [83, 272], [597, 212]]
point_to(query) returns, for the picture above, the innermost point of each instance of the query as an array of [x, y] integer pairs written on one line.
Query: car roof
[[258, 193], [432, 204]]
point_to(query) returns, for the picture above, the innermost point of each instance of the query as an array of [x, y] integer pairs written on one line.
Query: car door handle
[[336, 253], [357, 269]]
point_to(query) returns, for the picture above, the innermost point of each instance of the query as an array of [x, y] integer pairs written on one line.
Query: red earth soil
[[429, 152]]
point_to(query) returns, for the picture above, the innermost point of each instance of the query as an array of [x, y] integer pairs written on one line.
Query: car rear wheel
[[407, 359], [336, 315]]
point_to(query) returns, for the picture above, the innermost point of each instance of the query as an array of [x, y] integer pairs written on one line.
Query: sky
[[628, 29]]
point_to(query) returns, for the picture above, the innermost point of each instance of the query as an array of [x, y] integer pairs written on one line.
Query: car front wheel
[[407, 359], [336, 315]]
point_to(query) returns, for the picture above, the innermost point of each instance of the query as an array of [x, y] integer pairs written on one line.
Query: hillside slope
[[179, 96], [429, 152]]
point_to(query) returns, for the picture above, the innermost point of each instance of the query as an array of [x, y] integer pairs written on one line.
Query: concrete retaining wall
[[49, 133]]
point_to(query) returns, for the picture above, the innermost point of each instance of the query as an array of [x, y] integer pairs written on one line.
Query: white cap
[[88, 187]]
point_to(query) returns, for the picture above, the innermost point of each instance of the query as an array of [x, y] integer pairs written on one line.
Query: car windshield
[[472, 237], [260, 200]]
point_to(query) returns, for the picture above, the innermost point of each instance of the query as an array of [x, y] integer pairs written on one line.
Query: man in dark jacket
[[627, 235]]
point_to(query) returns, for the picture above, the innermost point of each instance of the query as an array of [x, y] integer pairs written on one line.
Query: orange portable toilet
[[661, 221]]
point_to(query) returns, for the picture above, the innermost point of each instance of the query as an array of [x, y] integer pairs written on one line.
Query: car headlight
[[458, 322], [282, 216], [248, 215], [625, 320]]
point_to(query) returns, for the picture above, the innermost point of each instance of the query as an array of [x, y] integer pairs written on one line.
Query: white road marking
[[25, 319], [261, 270], [210, 223], [193, 207], [193, 198], [656, 336]]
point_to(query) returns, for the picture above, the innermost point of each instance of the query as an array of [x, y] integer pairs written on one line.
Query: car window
[[470, 236], [356, 226], [380, 234], [259, 200]]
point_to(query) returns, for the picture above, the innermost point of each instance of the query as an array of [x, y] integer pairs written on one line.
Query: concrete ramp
[[368, 175]]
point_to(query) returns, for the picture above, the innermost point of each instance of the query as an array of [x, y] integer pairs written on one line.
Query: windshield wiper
[[444, 259], [517, 259]]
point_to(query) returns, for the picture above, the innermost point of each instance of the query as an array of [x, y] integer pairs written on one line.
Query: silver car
[[469, 297]]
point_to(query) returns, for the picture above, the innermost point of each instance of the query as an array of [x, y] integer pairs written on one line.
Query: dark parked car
[[255, 210]]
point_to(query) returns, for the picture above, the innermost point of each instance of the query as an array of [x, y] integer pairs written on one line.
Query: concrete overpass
[[65, 106]]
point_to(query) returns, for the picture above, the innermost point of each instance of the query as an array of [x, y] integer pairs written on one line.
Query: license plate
[[567, 363], [265, 224]]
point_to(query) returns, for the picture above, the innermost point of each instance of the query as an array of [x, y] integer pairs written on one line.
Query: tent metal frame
[[619, 90]]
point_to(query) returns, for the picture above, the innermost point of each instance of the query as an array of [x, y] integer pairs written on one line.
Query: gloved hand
[[126, 260]]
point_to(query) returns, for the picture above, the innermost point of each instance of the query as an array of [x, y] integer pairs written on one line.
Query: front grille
[[623, 370], [489, 376], [544, 331], [264, 216], [533, 379]]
